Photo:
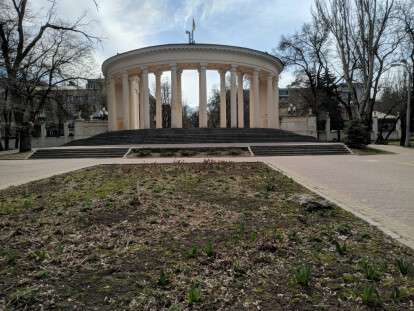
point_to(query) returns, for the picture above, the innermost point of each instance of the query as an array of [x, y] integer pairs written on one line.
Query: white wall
[[300, 125], [85, 129]]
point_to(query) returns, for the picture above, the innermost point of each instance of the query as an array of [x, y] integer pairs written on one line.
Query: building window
[[283, 92]]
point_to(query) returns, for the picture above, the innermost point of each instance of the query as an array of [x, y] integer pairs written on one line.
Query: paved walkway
[[378, 188]]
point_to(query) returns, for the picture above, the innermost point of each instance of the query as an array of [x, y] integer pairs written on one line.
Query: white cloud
[[131, 24]]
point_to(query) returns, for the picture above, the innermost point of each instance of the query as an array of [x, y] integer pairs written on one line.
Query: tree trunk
[[403, 119], [379, 140], [394, 127], [6, 136], [25, 139], [16, 141], [317, 119], [349, 112]]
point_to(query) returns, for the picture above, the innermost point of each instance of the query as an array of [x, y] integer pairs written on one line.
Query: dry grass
[[14, 155], [203, 152], [207, 236]]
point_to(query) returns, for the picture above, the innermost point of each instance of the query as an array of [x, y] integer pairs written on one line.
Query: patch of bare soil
[[190, 152], [206, 236]]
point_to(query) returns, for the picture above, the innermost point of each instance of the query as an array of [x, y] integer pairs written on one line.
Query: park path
[[377, 188]]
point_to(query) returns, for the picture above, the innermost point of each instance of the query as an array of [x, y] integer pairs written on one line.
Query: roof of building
[[197, 46]]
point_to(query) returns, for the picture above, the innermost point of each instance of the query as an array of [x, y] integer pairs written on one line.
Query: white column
[[251, 102], [202, 108], [125, 100], [179, 100], [233, 94], [263, 102], [112, 116], [145, 98], [269, 102], [131, 102], [43, 130], [256, 101], [276, 115], [158, 104], [133, 89], [141, 103], [174, 105], [108, 101], [223, 119], [240, 100]]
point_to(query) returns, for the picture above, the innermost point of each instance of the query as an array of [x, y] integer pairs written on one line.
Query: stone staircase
[[263, 142], [292, 149], [192, 136], [65, 153], [300, 149]]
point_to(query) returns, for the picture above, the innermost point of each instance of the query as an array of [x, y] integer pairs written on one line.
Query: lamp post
[[405, 65]]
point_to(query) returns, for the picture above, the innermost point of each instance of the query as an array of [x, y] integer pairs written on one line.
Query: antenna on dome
[[191, 34]]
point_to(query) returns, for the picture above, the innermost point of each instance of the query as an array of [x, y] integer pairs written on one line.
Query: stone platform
[[260, 142]]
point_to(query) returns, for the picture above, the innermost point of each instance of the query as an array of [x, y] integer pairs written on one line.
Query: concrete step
[[189, 136], [63, 153], [311, 149], [269, 150]]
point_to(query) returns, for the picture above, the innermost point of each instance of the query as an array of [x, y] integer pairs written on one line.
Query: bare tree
[[35, 52], [213, 107], [307, 52], [190, 117], [405, 15], [166, 103], [406, 18], [366, 39], [391, 103]]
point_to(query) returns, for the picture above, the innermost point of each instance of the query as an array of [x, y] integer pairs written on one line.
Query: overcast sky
[[131, 24]]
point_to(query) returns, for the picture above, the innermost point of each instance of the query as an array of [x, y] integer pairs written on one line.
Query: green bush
[[193, 252], [188, 153], [142, 152], [357, 135], [209, 249], [372, 270], [194, 295], [235, 152], [340, 248], [163, 279], [403, 266], [370, 296], [399, 293], [26, 297], [303, 275], [270, 183]]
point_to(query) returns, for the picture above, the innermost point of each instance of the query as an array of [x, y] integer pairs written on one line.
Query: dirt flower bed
[[207, 236], [190, 152]]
